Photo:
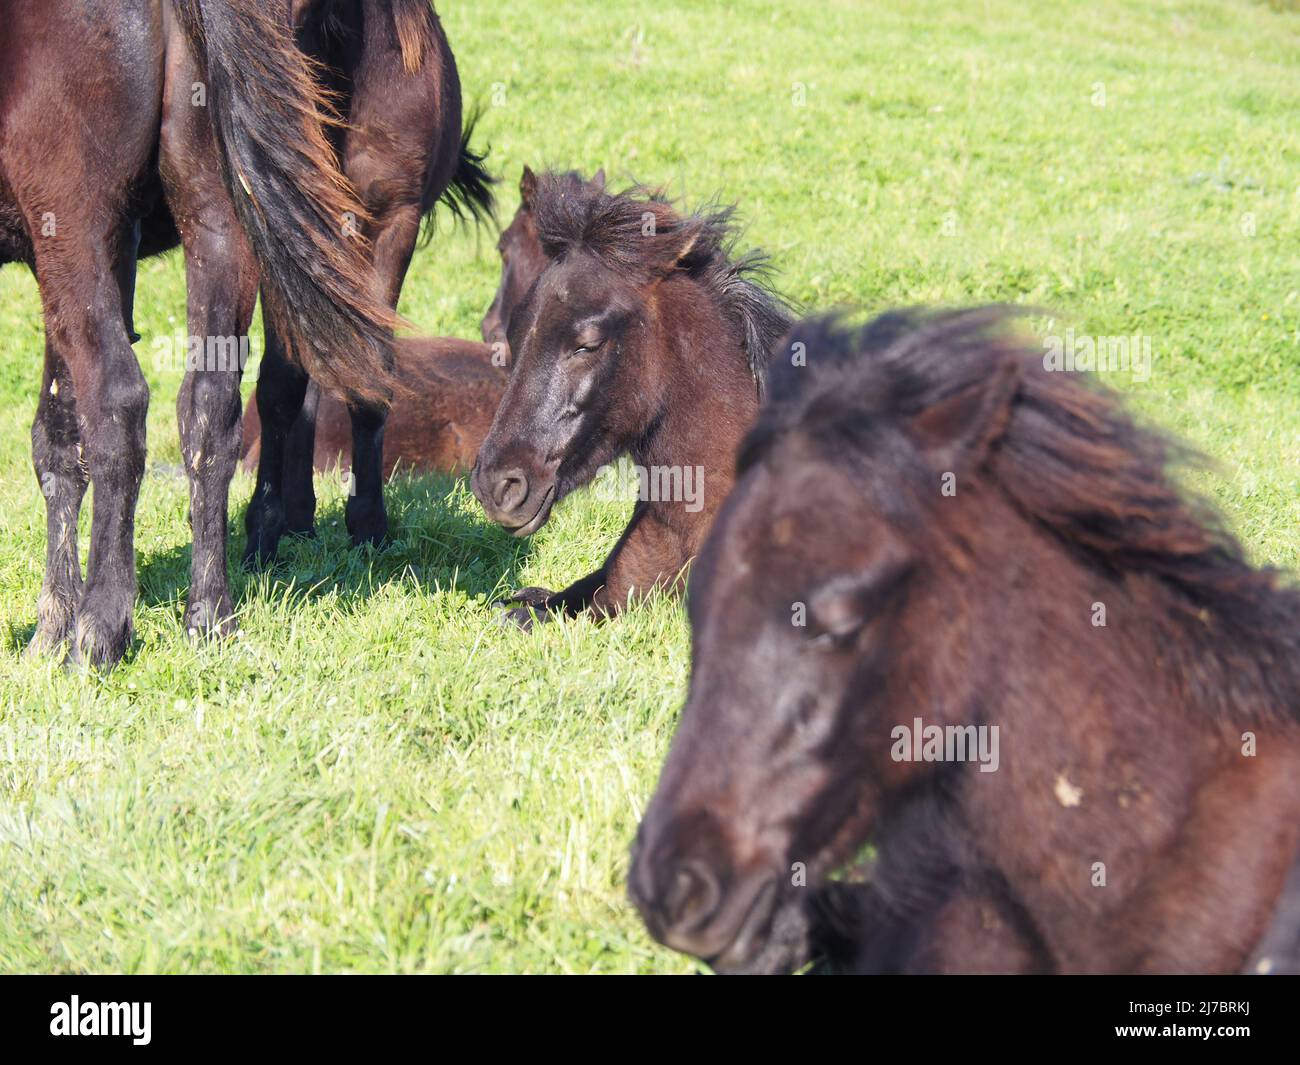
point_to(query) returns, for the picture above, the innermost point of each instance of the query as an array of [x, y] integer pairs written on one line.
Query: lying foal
[[643, 336]]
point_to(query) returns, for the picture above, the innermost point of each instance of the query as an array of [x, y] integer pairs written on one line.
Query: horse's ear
[[685, 247], [527, 188], [598, 179], [959, 429]]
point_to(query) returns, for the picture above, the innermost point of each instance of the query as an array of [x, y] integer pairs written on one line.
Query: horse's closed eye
[[587, 349], [826, 641]]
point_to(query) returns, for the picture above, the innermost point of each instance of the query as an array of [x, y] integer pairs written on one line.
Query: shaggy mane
[[576, 215], [1069, 457]]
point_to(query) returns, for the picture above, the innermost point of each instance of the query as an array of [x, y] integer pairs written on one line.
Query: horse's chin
[[540, 518], [785, 949]]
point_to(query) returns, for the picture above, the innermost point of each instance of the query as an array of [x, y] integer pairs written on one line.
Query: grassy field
[[373, 775]]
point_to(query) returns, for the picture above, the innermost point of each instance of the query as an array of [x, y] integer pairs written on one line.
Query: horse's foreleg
[[653, 553], [530, 605], [647, 555], [61, 470]]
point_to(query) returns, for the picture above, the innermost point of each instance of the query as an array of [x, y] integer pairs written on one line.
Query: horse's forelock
[[639, 233]]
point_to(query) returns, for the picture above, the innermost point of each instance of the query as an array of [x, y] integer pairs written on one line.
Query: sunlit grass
[[374, 775]]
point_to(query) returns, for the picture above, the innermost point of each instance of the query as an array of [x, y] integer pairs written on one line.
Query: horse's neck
[[1220, 664], [711, 398], [1220, 671]]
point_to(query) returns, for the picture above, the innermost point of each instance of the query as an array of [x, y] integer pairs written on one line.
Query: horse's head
[[575, 340], [812, 619], [570, 338], [522, 262], [638, 305]]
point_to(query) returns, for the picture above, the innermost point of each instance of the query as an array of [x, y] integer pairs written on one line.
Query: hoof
[[56, 616], [525, 608], [210, 619], [300, 516], [265, 528], [366, 524], [100, 638], [45, 642]]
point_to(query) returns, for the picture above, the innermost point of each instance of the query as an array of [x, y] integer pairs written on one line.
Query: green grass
[[374, 776]]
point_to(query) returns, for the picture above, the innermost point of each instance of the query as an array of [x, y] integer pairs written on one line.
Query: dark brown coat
[[928, 524]]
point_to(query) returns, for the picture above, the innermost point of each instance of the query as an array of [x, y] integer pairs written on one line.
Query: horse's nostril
[[693, 896], [510, 490]]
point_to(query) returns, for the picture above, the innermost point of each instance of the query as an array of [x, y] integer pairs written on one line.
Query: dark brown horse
[[450, 388], [122, 130], [395, 84], [644, 336], [957, 608]]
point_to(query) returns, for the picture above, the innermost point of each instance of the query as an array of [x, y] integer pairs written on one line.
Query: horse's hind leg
[[299, 466], [61, 471], [74, 194], [58, 455], [221, 283], [126, 265], [221, 289], [364, 512], [84, 320]]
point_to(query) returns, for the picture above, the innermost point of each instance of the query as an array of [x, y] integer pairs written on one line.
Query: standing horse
[[201, 117], [392, 75], [933, 537], [643, 336]]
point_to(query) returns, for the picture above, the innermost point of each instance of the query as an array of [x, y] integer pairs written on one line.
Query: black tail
[[469, 196], [302, 217], [470, 192]]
